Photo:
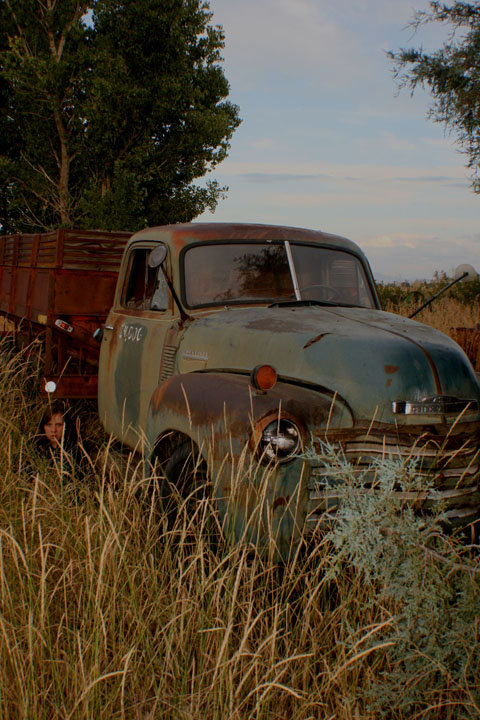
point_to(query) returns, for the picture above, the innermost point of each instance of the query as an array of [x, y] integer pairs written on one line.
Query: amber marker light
[[264, 377]]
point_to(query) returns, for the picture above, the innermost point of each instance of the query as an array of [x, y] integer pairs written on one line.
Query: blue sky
[[327, 142]]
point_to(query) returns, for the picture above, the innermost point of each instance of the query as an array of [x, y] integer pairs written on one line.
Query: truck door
[[131, 353]]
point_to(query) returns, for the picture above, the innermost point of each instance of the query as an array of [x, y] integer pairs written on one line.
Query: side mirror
[[157, 256], [465, 273]]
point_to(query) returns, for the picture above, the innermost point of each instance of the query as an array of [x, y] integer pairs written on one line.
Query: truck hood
[[368, 357]]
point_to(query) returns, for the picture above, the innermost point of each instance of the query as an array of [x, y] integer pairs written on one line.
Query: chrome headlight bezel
[[279, 441]]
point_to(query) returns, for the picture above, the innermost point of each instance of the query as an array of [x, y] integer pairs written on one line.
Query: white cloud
[[333, 43], [354, 172], [427, 255], [285, 38], [326, 144]]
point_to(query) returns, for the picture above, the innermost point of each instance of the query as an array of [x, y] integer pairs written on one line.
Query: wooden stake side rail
[[69, 276]]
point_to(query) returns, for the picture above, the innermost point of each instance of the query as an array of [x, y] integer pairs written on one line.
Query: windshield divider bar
[[292, 270]]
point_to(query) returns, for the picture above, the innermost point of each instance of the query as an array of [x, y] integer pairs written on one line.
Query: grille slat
[[450, 463], [168, 361]]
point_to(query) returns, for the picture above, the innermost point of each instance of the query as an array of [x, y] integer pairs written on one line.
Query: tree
[[452, 75], [112, 110]]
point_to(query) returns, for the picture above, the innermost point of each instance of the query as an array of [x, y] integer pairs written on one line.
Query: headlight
[[280, 440]]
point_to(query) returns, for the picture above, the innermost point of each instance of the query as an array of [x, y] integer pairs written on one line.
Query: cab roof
[[183, 234]]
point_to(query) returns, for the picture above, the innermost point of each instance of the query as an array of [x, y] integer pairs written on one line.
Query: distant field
[[444, 313]]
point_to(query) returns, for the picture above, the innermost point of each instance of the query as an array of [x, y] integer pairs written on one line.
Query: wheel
[[329, 293], [185, 485], [186, 475]]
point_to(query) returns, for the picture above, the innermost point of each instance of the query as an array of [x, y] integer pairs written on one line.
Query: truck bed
[[58, 287]]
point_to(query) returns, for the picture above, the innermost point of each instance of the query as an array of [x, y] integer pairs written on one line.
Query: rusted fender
[[225, 407], [225, 417]]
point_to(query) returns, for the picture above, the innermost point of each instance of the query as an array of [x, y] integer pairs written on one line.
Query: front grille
[[450, 463]]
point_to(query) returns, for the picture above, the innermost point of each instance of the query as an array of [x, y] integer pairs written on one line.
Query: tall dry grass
[[443, 314], [105, 612]]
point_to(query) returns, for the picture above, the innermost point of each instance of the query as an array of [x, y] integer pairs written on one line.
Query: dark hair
[[56, 407]]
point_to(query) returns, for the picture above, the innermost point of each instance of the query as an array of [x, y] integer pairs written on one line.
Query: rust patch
[[159, 394], [314, 340], [200, 400], [389, 382], [281, 502], [391, 369]]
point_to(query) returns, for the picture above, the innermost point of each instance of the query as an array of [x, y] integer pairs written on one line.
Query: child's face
[[54, 428]]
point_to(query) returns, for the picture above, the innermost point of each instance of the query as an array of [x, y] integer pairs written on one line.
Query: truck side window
[[145, 287]]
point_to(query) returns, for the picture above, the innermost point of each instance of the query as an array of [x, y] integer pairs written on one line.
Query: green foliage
[[110, 122], [395, 295], [412, 295], [452, 74], [428, 582]]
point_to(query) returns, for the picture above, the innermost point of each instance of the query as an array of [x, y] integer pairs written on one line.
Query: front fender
[[221, 413], [224, 408]]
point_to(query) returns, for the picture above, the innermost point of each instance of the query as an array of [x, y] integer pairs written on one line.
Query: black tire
[[186, 482]]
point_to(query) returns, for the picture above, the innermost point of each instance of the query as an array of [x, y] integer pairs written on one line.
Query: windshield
[[224, 274]]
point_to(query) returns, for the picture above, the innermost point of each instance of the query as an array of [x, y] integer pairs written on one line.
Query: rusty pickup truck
[[233, 352]]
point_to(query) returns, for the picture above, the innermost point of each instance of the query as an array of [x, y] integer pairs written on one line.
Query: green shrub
[[430, 585]]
